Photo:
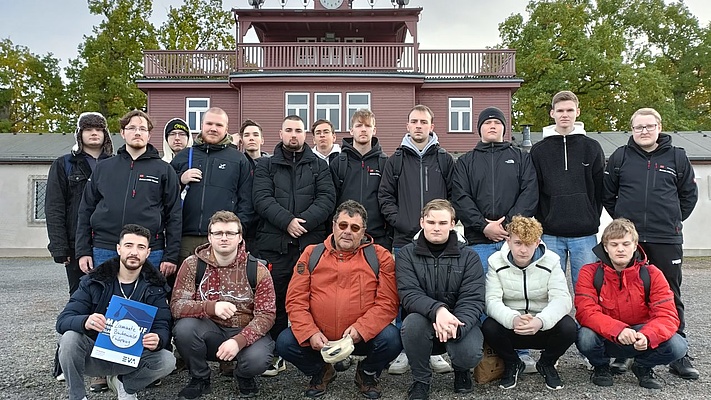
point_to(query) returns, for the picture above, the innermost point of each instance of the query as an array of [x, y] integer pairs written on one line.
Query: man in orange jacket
[[342, 295]]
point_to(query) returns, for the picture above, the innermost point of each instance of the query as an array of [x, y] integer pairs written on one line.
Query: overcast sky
[[58, 26]]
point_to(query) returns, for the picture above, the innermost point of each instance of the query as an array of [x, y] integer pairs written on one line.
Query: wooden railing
[[370, 57]]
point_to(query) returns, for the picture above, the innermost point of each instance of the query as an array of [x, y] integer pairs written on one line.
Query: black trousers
[[74, 274], [282, 268], [554, 342], [668, 258]]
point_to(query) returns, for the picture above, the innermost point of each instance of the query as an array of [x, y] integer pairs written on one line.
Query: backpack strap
[[252, 263], [442, 160], [368, 251], [67, 165], [618, 161], [342, 166], [382, 159], [599, 277], [397, 164], [316, 256], [199, 273], [680, 159]]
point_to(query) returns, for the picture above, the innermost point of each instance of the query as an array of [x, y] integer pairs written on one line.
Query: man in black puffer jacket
[[84, 317], [294, 196]]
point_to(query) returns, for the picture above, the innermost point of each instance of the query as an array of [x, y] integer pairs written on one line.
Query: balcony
[[323, 57]]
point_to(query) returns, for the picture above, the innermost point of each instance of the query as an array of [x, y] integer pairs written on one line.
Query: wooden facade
[[326, 62]]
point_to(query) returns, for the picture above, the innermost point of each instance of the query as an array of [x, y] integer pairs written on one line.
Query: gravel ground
[[35, 290]]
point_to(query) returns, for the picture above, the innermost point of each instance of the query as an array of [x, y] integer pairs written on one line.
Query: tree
[[111, 60], [31, 91], [198, 25]]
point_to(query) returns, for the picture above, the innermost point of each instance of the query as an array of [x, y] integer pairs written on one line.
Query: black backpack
[[643, 274], [252, 262], [368, 252]]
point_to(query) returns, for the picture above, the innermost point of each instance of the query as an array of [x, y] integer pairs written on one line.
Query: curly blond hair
[[528, 229]]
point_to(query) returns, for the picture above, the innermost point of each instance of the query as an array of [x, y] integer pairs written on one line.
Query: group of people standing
[[255, 259]]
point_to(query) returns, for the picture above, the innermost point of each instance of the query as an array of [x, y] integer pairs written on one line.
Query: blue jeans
[[577, 249], [485, 251], [599, 350], [100, 256], [380, 351]]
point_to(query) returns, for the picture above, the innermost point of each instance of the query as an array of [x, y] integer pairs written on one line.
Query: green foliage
[[198, 25], [31, 90], [103, 78]]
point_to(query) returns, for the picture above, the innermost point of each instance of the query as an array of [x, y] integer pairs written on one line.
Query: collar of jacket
[[492, 147], [151, 152], [108, 271], [452, 249]]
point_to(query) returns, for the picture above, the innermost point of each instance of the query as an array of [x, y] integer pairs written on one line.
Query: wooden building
[[326, 62]]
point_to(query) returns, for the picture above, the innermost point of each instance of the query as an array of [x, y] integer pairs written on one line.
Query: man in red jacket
[[343, 294], [629, 313]]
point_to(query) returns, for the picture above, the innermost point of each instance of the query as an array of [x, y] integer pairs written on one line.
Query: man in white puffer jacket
[[527, 301]]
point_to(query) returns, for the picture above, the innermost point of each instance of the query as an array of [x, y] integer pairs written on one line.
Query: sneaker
[[646, 376], [683, 368], [320, 381], [343, 365], [529, 362], [511, 373], [602, 376], [227, 368], [550, 374], [440, 365], [247, 387], [278, 365], [418, 391], [98, 384], [462, 381], [117, 387], [400, 365], [196, 388], [61, 378], [367, 384], [619, 366]]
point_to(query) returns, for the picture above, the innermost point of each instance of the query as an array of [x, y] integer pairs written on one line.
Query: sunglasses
[[344, 225]]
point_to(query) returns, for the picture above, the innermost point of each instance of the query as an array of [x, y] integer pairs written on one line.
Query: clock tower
[[331, 4]]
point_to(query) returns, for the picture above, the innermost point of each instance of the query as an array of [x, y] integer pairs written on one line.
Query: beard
[[293, 148], [131, 263]]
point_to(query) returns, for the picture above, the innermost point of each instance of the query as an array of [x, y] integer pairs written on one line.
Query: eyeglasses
[[178, 134], [325, 132], [227, 234], [354, 227], [641, 128], [134, 129]]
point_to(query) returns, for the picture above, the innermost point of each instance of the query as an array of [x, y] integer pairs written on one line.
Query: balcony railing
[[357, 57]]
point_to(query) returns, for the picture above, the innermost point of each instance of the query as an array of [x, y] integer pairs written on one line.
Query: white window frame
[[329, 109], [302, 110], [460, 118], [198, 111], [351, 108], [35, 208]]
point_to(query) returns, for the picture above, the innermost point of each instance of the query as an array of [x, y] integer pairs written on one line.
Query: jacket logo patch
[[222, 166], [586, 164], [300, 268], [148, 178], [510, 161]]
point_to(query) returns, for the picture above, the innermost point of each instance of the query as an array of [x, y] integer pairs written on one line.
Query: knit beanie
[[490, 113], [92, 120], [176, 124]]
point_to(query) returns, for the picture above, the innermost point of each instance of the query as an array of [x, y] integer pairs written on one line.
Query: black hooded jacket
[[491, 181], [95, 291], [651, 190], [124, 191]]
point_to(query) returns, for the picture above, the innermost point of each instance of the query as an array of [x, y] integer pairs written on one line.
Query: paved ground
[[33, 291]]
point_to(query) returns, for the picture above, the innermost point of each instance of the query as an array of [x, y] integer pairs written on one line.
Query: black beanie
[[176, 124], [490, 113]]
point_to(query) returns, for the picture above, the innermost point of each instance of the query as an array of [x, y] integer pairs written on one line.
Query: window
[[38, 193], [298, 104], [460, 114], [195, 108], [328, 106], [356, 101]]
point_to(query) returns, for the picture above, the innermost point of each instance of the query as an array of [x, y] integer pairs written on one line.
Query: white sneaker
[[530, 364], [278, 365], [60, 377], [400, 365], [439, 365], [117, 387]]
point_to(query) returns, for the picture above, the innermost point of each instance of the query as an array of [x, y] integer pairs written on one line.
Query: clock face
[[331, 4]]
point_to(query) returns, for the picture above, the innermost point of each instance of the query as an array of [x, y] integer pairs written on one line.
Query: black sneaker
[[320, 381], [196, 388], [646, 377], [602, 376], [247, 387], [550, 374], [367, 384], [511, 374], [462, 381], [683, 368], [618, 366], [418, 391]]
